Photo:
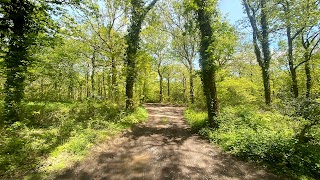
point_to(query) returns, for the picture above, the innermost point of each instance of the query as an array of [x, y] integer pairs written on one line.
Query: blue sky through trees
[[232, 9]]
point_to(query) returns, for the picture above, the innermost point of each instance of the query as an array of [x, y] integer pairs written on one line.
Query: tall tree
[[310, 40], [296, 17], [260, 37], [138, 14], [20, 23], [185, 38], [293, 28], [156, 43], [205, 10]]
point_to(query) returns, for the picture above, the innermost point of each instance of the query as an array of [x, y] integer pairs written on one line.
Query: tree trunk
[[266, 53], [144, 91], [308, 79], [80, 92], [160, 86], [138, 14], [191, 87], [93, 64], [99, 86], [184, 85], [114, 88], [104, 83], [293, 71], [16, 60], [266, 84], [208, 67], [263, 38], [133, 43], [110, 95], [71, 83], [168, 86], [87, 81]]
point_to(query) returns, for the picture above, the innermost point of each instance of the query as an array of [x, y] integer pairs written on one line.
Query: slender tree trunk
[[71, 84], [308, 78], [110, 95], [144, 91], [266, 52], [87, 81], [208, 68], [168, 86], [99, 85], [161, 86], [80, 92], [60, 89], [114, 84], [266, 85], [93, 64], [191, 86], [184, 85], [104, 83], [293, 71], [263, 38]]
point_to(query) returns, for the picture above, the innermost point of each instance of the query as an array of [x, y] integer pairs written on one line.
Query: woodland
[[76, 72]]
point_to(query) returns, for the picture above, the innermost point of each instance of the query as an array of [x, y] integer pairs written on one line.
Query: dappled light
[[160, 89], [162, 148]]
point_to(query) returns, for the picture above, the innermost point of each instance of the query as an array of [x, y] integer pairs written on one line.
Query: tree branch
[[149, 7], [297, 33]]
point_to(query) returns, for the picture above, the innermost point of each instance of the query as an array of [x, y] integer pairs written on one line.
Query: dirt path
[[162, 148]]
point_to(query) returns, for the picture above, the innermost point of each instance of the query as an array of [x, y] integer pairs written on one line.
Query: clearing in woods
[[162, 148]]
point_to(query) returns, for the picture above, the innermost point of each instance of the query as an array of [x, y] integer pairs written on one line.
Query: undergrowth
[[266, 137], [52, 136]]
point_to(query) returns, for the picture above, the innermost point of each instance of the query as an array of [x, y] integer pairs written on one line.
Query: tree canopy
[[118, 54]]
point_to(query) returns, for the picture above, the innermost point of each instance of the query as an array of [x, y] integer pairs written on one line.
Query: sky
[[232, 9]]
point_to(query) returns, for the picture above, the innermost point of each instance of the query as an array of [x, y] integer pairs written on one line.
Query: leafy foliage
[[263, 136], [56, 130]]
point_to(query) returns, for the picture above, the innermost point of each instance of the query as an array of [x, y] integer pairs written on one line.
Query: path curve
[[162, 148]]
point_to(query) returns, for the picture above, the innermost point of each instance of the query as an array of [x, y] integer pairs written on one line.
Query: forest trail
[[162, 148]]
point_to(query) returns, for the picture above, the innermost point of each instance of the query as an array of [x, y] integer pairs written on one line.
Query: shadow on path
[[162, 148]]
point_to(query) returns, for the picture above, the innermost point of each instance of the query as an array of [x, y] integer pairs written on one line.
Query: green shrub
[[54, 135], [264, 136], [196, 120], [140, 114], [237, 91]]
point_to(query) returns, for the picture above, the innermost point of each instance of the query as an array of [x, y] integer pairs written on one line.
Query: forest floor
[[162, 148]]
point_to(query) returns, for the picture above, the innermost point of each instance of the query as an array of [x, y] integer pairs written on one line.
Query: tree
[[260, 38], [296, 16], [102, 24], [138, 14], [310, 40], [205, 10], [20, 23], [185, 38], [157, 43]]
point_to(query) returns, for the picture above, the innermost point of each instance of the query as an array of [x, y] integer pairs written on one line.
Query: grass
[[267, 137], [53, 136]]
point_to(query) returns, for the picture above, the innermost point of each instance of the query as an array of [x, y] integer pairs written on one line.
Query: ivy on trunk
[[133, 38]]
